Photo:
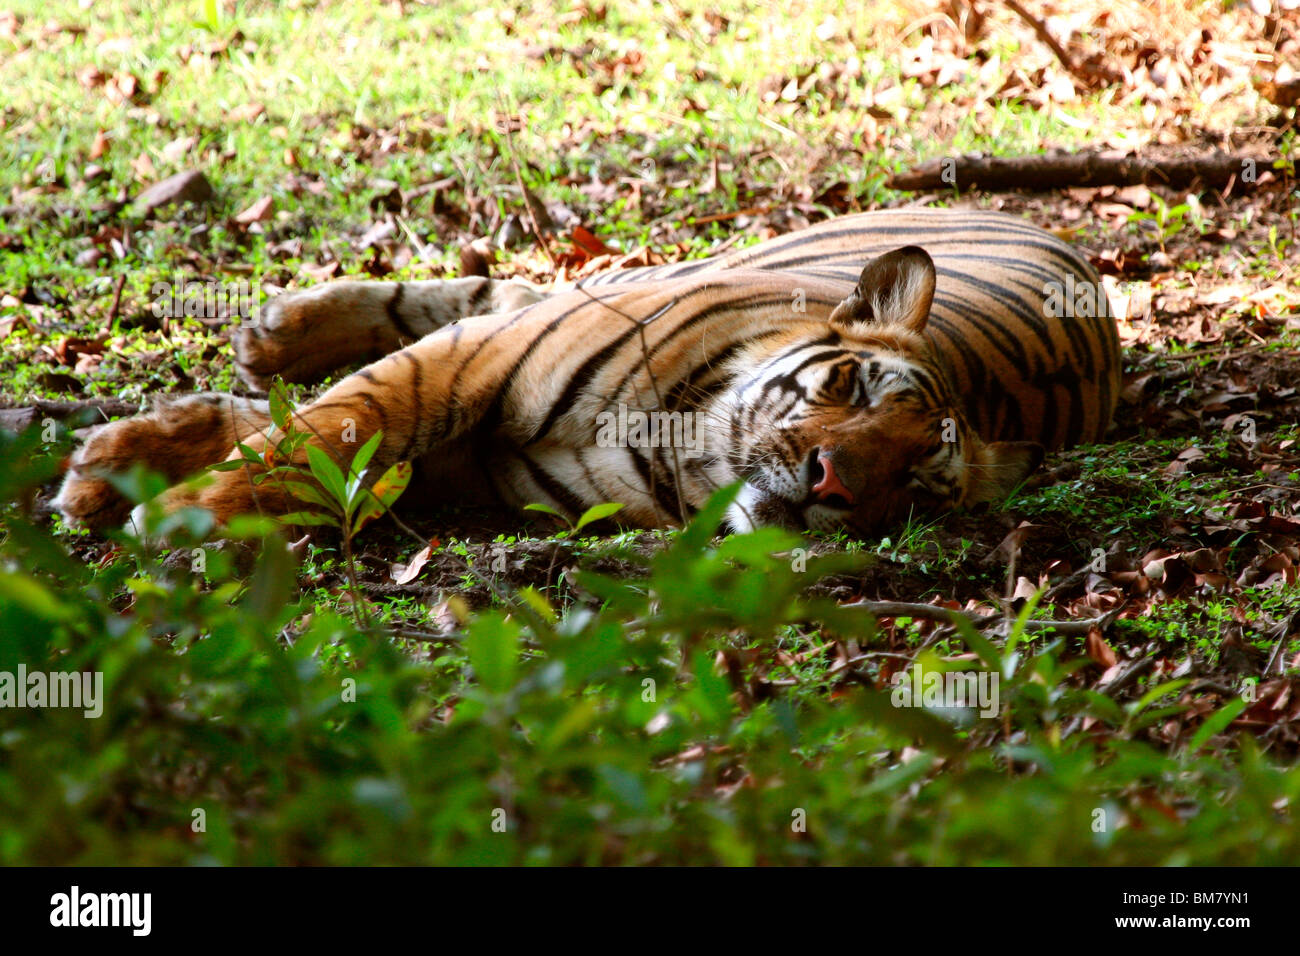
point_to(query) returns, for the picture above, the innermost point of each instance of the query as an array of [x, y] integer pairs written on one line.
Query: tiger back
[[1019, 316]]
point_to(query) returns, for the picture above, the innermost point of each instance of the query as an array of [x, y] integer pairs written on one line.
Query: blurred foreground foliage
[[241, 725]]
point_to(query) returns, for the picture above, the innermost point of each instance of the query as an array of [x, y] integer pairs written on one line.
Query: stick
[[1059, 170], [1105, 74], [523, 190], [117, 300], [931, 612]]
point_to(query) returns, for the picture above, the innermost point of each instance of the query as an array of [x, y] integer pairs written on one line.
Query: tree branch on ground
[[1060, 170]]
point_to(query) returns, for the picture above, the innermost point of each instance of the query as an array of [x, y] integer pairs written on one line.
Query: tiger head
[[859, 426]]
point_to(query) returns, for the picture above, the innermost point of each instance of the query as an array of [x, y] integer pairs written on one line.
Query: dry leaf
[[406, 573], [260, 211]]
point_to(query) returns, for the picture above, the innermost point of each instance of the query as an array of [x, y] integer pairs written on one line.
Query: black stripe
[[395, 315], [473, 303], [664, 493], [558, 493], [492, 416], [416, 388]]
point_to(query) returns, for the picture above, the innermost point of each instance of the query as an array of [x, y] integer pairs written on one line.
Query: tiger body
[[840, 396]]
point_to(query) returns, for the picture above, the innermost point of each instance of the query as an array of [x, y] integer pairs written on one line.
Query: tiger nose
[[829, 486]]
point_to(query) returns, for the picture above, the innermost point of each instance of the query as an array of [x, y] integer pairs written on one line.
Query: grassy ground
[[386, 139]]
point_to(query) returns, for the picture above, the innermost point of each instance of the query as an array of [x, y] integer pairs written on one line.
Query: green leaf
[[1018, 628], [493, 648], [33, 597], [1215, 723], [914, 723], [281, 409], [385, 491], [596, 513], [139, 484], [309, 518], [534, 599], [558, 515], [1154, 694], [696, 535], [366, 452], [249, 454], [327, 473], [978, 643], [712, 692], [309, 493]]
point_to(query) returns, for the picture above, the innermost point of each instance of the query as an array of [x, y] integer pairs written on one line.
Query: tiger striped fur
[[841, 395]]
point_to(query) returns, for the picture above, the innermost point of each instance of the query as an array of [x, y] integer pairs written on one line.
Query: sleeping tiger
[[848, 375]]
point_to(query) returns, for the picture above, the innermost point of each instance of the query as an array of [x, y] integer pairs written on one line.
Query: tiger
[[845, 377]]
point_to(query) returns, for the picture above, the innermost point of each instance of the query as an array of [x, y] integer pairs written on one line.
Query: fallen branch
[[1131, 673], [18, 419], [980, 622], [1127, 676], [1059, 170]]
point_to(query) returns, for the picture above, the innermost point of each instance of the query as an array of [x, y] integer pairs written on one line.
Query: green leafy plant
[[242, 724], [346, 498], [592, 514], [1167, 221]]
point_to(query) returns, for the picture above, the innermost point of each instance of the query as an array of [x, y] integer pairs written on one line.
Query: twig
[[1059, 169], [117, 300], [1129, 675], [734, 214], [980, 622], [528, 206], [427, 637], [1060, 52], [106, 407]]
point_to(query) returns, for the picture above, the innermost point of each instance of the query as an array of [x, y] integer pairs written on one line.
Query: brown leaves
[[83, 354], [121, 88], [1101, 653], [584, 249], [406, 573], [260, 211], [1009, 549], [190, 186]]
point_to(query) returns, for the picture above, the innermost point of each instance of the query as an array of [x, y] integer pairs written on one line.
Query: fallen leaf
[[406, 573], [1097, 648], [260, 211]]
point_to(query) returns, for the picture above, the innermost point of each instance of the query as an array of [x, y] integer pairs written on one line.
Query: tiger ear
[[894, 289], [999, 467]]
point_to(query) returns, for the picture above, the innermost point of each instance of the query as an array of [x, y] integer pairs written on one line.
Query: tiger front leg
[[304, 335], [278, 476], [177, 438], [413, 399]]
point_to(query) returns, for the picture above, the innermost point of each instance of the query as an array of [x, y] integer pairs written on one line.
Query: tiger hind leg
[[178, 438], [305, 334]]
